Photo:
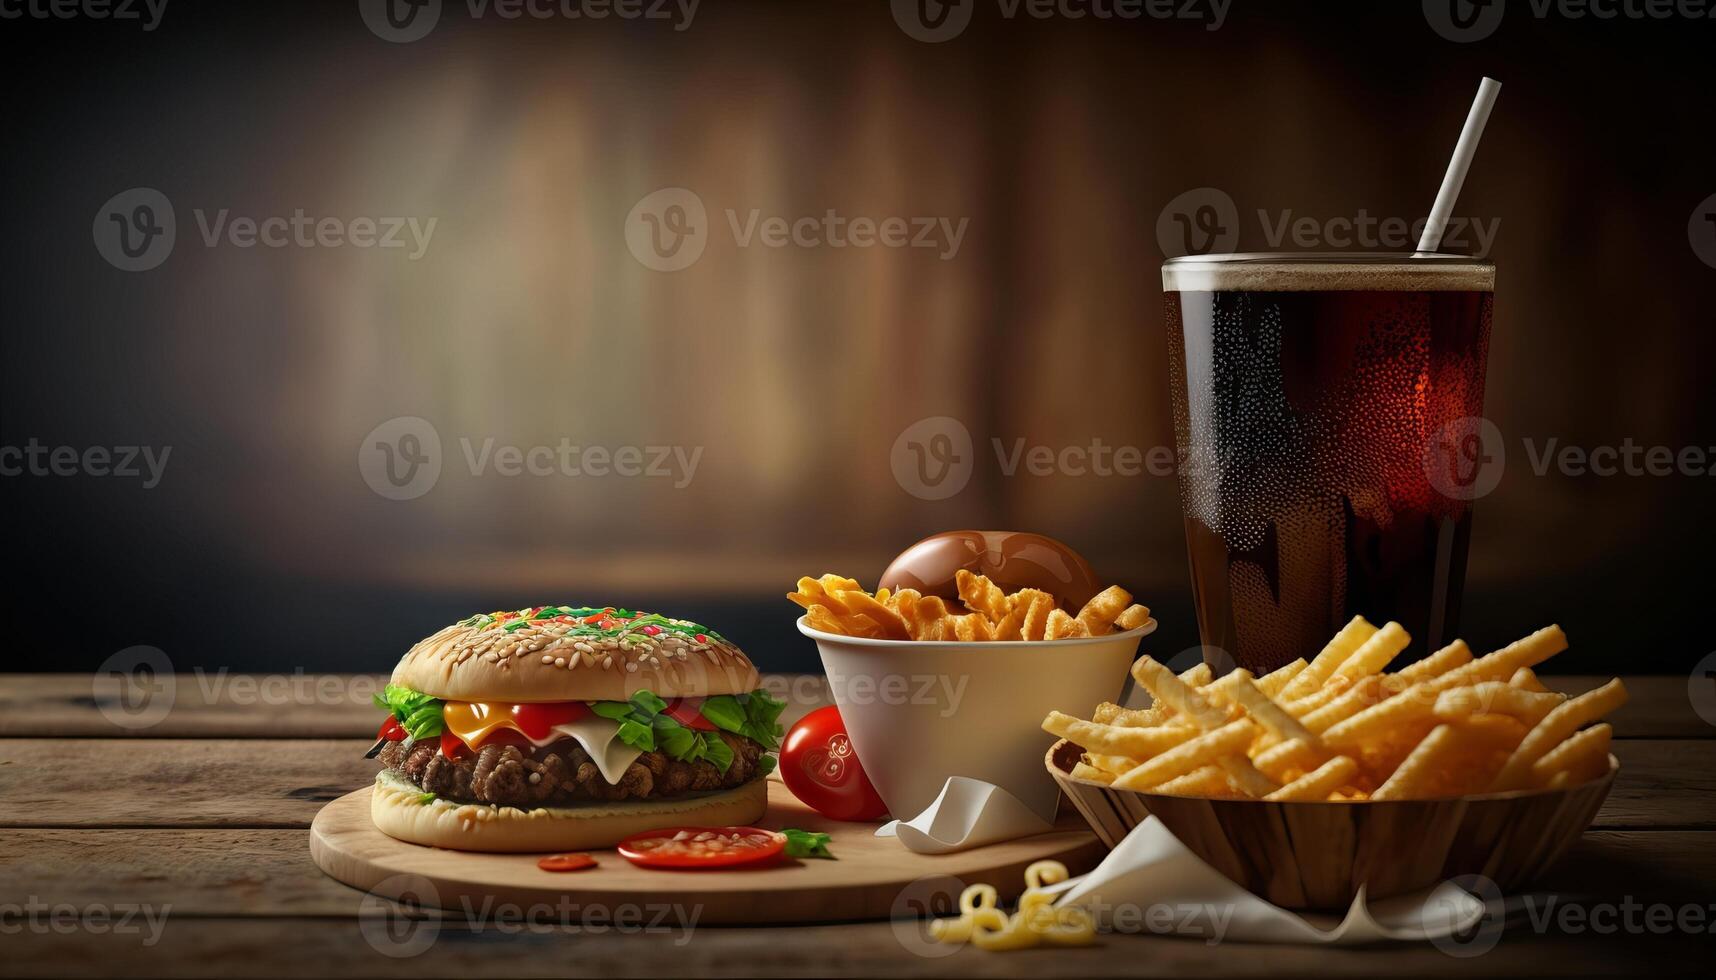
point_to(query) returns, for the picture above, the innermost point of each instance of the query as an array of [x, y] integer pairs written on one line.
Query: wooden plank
[[342, 948], [213, 783], [221, 705], [48, 782], [269, 874]]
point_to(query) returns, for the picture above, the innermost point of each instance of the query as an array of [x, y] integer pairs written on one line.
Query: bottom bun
[[397, 813]]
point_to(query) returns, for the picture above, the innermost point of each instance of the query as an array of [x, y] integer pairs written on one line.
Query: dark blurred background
[[528, 319]]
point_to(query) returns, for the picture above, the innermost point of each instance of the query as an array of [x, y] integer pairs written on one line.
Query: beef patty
[[560, 773]]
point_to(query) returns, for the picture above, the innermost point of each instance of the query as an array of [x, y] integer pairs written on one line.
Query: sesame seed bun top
[[574, 653]]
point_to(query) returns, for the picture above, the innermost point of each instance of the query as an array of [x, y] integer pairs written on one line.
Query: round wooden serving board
[[871, 878]]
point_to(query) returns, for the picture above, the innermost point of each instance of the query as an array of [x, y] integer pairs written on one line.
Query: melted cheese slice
[[601, 738], [474, 721]]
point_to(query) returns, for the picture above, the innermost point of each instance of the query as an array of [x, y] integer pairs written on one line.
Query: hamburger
[[563, 727]]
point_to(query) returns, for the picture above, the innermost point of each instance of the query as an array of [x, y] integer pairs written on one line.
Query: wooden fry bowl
[[1317, 855]]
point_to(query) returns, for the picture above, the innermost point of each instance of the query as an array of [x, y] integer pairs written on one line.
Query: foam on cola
[[1307, 392]]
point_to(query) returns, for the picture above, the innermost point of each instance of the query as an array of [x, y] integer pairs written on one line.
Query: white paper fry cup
[[919, 712]]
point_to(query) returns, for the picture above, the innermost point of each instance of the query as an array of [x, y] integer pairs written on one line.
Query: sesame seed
[[547, 659], [607, 661], [632, 668], [559, 661]]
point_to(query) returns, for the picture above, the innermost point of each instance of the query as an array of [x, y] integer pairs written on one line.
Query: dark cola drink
[[1327, 410]]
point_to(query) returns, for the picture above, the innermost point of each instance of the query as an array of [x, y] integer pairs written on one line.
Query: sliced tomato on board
[[692, 848], [566, 862]]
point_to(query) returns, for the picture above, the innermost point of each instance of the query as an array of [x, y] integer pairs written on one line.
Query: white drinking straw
[[1457, 167]]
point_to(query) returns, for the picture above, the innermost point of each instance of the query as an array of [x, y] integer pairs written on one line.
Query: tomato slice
[[692, 848], [537, 721], [689, 712], [391, 730], [566, 862], [452, 745]]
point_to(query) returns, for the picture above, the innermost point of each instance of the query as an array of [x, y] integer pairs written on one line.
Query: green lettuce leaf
[[725, 712], [418, 714], [616, 710], [637, 736], [716, 751], [807, 844]]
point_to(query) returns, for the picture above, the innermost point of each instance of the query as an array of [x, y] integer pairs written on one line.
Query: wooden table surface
[[200, 820]]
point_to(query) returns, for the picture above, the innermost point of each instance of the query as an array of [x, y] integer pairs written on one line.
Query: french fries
[[837, 604], [1339, 729]]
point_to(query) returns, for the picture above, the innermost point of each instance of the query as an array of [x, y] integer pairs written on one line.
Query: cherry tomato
[[566, 862], [703, 847], [822, 770], [688, 712], [391, 730], [538, 720]]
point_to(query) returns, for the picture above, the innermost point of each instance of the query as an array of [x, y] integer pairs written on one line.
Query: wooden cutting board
[[871, 878]]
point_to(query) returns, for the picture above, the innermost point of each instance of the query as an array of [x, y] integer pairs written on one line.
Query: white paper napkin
[[1153, 883], [966, 813]]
